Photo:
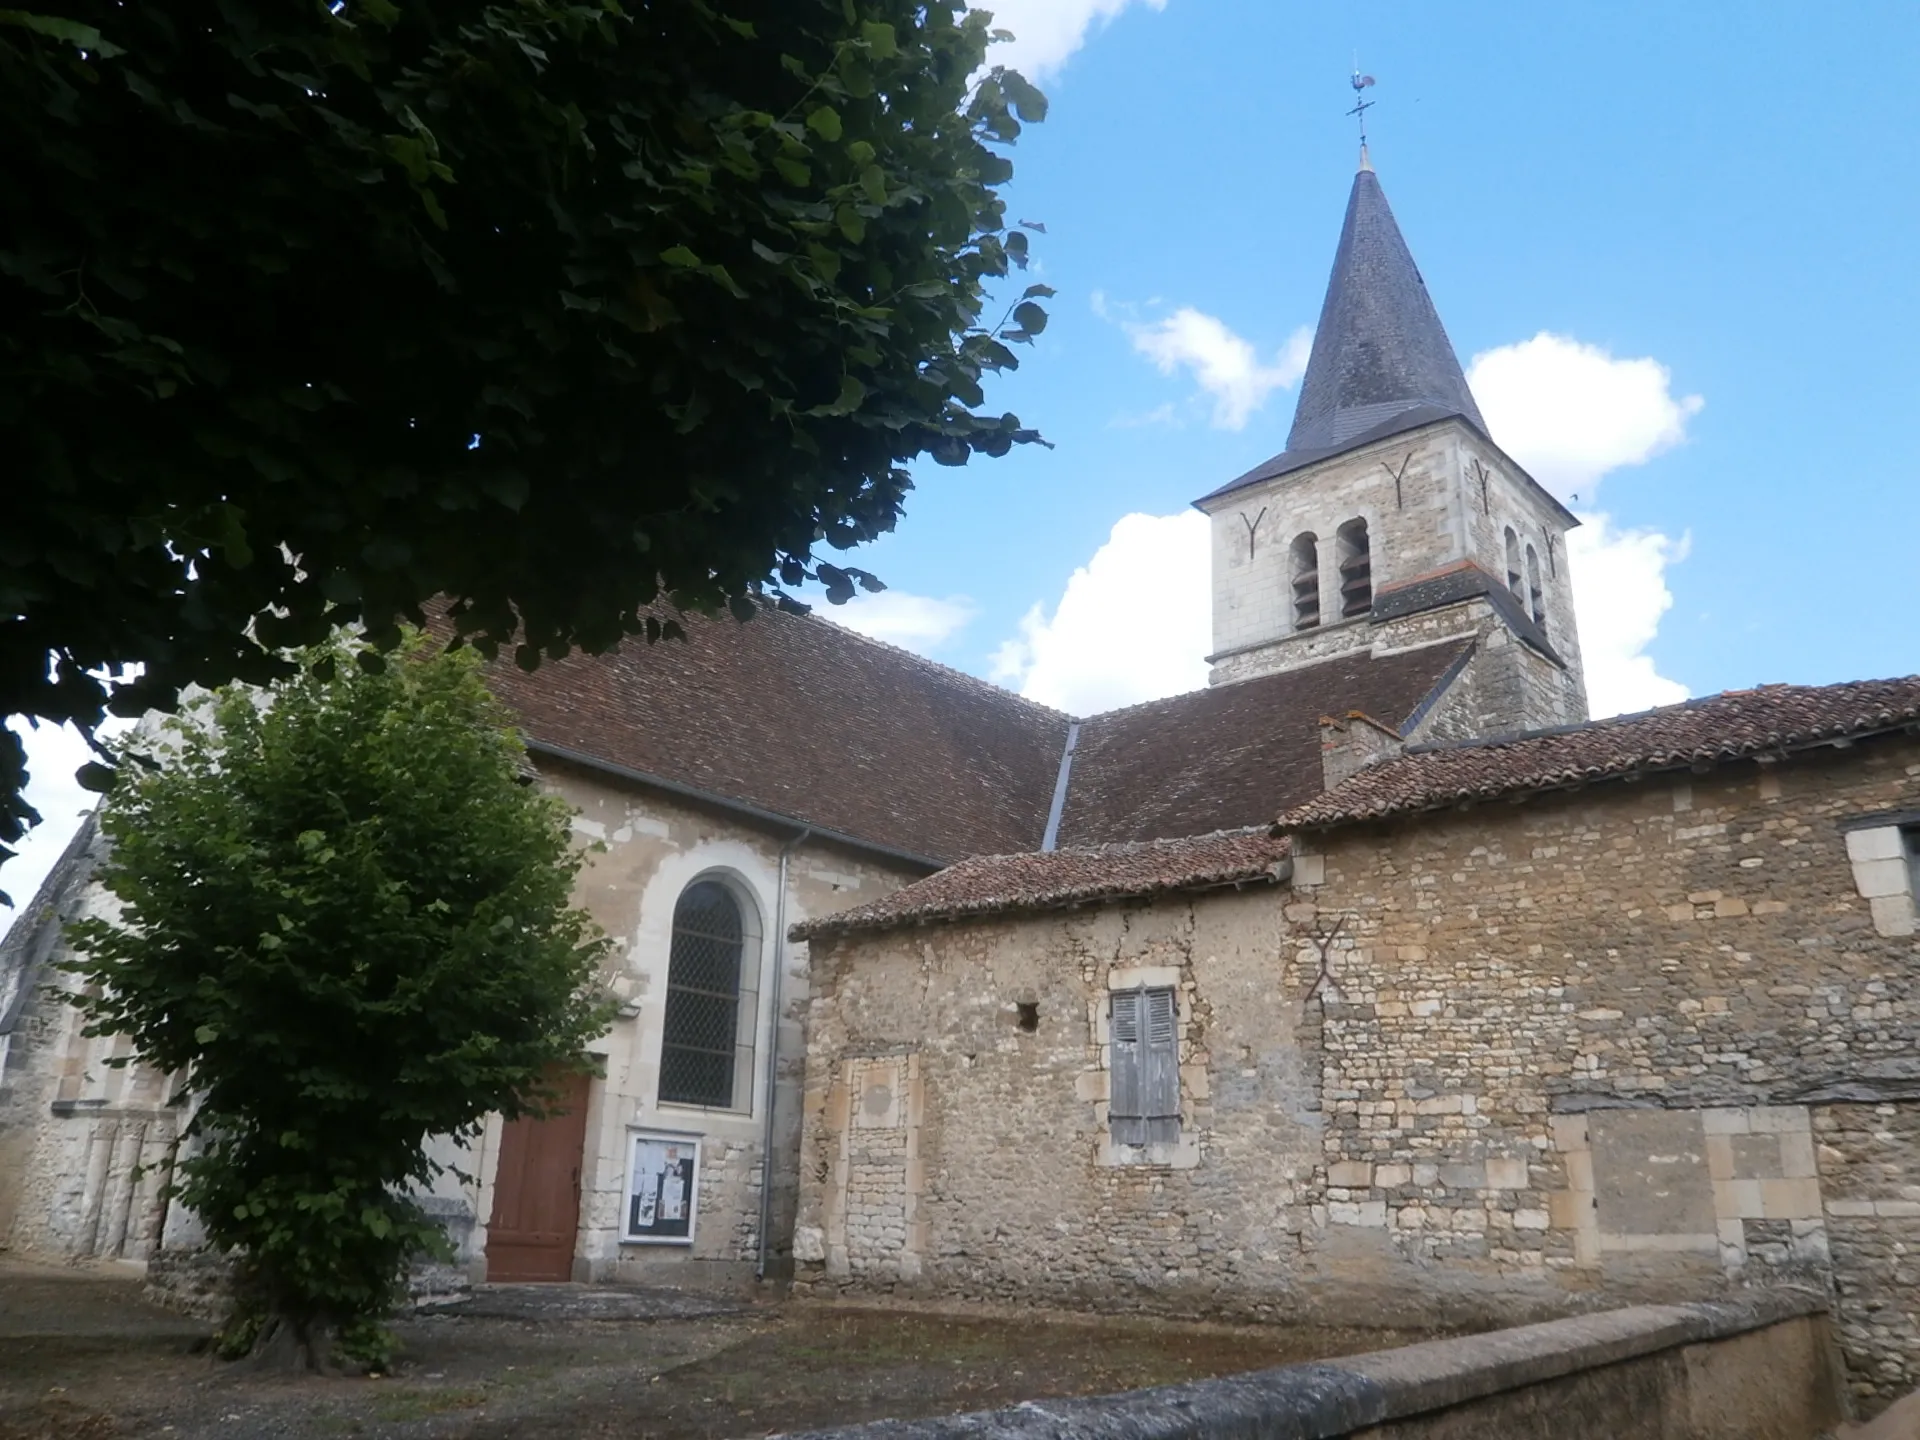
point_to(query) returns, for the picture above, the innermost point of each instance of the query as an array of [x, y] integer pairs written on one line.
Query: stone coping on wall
[[1333, 1398]]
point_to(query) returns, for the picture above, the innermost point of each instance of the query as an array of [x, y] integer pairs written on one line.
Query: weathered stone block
[[1792, 1199], [1738, 1200], [1569, 1209], [1881, 842], [1893, 915], [1504, 1173]]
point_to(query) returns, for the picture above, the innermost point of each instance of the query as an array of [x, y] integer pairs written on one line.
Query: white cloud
[[1133, 624], [914, 622], [1223, 364], [1619, 594], [1571, 412], [1047, 32], [53, 754]]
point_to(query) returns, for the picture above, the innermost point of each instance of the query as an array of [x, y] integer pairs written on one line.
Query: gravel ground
[[82, 1357]]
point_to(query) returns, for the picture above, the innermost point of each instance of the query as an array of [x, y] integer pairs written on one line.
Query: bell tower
[[1392, 519]]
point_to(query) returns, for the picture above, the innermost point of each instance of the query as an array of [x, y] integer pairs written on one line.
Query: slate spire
[[1380, 352]]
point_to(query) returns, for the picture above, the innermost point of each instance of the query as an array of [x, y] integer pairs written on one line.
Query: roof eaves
[[850, 922], [1407, 423], [825, 928], [1569, 778], [37, 927], [1288, 461], [727, 803]]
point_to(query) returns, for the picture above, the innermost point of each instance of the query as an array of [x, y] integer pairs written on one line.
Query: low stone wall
[[1761, 1368], [200, 1283]]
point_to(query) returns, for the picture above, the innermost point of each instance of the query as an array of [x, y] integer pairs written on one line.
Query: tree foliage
[[310, 312], [348, 923]]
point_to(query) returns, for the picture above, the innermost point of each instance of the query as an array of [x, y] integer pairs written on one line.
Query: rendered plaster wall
[[646, 849], [949, 1148], [1591, 1044], [93, 1143]]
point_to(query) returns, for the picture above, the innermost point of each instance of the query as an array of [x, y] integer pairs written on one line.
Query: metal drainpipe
[[773, 1048]]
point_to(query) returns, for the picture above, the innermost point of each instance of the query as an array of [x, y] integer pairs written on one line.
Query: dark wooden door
[[536, 1191]]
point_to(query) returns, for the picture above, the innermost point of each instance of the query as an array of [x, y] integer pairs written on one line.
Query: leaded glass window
[[706, 1049]]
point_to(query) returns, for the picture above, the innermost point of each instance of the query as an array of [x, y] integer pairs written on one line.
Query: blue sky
[[1726, 191], [1709, 211]]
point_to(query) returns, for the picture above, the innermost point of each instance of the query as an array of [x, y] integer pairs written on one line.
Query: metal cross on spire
[[1361, 104]]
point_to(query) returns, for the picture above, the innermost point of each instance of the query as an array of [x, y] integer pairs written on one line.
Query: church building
[[1371, 982]]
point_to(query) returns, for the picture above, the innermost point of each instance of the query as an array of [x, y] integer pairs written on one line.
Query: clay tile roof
[[1055, 879], [1232, 755], [1732, 725], [811, 722]]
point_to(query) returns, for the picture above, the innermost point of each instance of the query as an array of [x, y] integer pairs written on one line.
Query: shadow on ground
[[82, 1357]]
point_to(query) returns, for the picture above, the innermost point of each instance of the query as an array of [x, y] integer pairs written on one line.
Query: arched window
[[1356, 570], [1305, 567], [1536, 597], [706, 1046], [1513, 561]]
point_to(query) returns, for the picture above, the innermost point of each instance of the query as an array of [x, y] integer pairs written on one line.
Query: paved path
[[586, 1302]]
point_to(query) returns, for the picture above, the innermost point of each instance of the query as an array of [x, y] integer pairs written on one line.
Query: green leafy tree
[[310, 312], [347, 922]]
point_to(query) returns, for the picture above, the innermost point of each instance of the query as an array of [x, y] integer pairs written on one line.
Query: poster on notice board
[[662, 1187]]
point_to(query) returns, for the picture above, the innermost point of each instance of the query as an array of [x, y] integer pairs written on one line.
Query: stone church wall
[[1643, 1042], [87, 1146], [947, 1147], [1431, 499], [1411, 530], [1638, 1041], [652, 848]]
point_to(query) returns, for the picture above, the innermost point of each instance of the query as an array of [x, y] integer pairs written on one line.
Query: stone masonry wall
[[1430, 498], [1006, 1180], [1869, 1156], [1411, 531], [1579, 1045], [646, 849]]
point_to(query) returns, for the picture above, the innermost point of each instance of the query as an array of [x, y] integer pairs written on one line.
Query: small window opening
[[1028, 1018], [1356, 570], [1536, 597], [1910, 838], [1513, 561], [1306, 581], [1143, 1106]]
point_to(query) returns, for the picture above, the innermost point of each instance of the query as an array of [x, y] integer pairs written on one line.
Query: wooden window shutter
[[1160, 1088], [1125, 1116]]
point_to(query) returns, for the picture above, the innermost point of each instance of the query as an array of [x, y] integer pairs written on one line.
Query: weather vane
[[1360, 102]]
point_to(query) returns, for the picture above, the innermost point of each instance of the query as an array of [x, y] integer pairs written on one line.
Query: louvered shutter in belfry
[[1125, 1117], [1160, 1078]]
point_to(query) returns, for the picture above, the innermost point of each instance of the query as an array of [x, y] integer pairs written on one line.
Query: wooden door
[[536, 1191]]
